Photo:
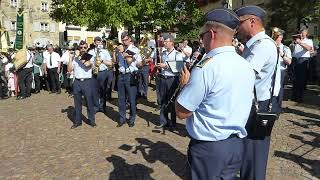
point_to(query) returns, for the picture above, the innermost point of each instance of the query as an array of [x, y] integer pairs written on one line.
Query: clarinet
[[179, 88]]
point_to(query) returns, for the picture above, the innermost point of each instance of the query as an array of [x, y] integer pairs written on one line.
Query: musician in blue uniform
[[168, 82], [284, 59], [261, 52], [216, 100], [128, 78], [82, 86], [104, 76]]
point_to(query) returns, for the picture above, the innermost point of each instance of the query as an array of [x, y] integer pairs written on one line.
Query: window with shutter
[[36, 26], [52, 27]]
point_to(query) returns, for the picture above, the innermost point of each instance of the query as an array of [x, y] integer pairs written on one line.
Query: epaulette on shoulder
[[204, 62]]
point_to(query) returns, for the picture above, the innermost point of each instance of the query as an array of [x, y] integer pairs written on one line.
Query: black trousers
[[25, 81], [3, 88], [167, 86], [300, 79], [54, 80], [37, 82]]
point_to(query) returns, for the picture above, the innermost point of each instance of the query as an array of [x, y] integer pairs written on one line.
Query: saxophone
[[98, 62]]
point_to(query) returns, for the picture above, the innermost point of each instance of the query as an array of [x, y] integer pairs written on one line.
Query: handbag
[[264, 121]]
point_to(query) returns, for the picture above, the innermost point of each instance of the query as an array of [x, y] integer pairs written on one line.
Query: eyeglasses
[[202, 34], [125, 39], [245, 20]]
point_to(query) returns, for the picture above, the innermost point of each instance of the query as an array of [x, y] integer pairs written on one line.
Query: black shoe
[[75, 126], [93, 124], [21, 97], [160, 126], [120, 124], [131, 124], [52, 92]]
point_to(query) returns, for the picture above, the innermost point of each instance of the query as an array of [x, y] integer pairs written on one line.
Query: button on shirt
[[30, 57], [261, 52], [80, 71], [167, 56], [55, 59], [220, 96], [287, 53], [104, 55], [299, 51]]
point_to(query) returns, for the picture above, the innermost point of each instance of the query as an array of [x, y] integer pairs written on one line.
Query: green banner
[[19, 32]]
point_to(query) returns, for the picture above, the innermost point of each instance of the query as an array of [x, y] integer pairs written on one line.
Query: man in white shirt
[[52, 67], [301, 53], [65, 60], [25, 76], [185, 50]]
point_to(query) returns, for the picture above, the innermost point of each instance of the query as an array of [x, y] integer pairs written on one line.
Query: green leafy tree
[[288, 14], [135, 14]]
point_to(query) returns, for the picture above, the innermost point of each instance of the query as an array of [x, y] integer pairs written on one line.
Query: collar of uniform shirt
[[256, 37], [219, 50]]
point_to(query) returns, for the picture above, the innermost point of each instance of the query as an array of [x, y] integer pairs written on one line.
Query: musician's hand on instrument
[[184, 76], [162, 65]]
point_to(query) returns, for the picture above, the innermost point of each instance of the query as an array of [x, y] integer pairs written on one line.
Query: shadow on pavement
[[71, 114], [160, 151], [123, 170], [301, 113], [310, 165]]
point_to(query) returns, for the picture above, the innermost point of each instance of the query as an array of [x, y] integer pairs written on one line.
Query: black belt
[[166, 77], [201, 141], [83, 79], [105, 70]]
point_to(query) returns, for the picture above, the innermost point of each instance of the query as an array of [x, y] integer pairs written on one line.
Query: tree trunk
[[137, 34]]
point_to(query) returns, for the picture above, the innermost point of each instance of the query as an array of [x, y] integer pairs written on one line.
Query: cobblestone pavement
[[36, 142]]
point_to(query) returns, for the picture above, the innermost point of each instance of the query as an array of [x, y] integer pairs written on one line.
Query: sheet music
[[176, 66]]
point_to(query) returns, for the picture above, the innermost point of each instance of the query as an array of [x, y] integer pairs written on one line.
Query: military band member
[[285, 60], [52, 67], [104, 76], [25, 76], [129, 68], [82, 86], [168, 82], [216, 100], [302, 48], [261, 52]]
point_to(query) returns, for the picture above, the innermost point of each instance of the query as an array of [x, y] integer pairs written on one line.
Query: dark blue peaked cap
[[251, 10], [224, 16]]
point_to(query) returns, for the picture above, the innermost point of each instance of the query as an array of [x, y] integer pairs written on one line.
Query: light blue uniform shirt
[[166, 56], [287, 53], [220, 96], [80, 71], [104, 55], [136, 58], [261, 52]]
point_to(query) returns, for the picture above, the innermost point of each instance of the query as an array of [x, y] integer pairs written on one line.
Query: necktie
[[50, 60]]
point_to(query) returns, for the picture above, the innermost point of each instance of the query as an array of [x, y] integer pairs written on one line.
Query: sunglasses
[[202, 34]]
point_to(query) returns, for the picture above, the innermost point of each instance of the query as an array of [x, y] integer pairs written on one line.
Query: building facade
[[39, 28]]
